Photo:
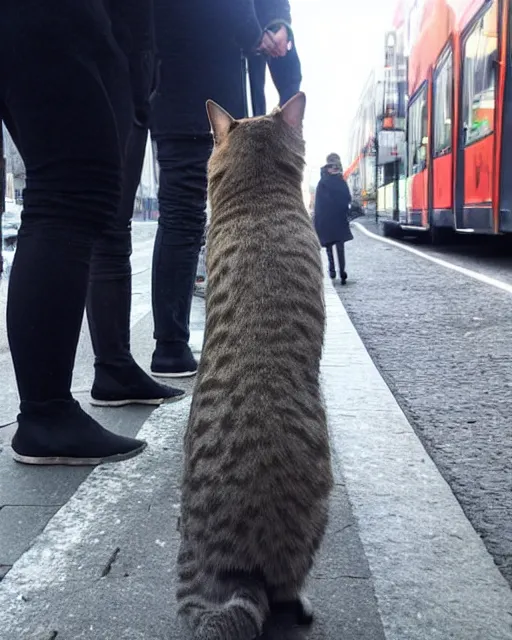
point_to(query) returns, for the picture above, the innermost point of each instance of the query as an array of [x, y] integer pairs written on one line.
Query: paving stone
[[18, 527]]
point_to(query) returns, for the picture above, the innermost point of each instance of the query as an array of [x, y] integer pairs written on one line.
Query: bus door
[[442, 171], [504, 125], [417, 155], [477, 142]]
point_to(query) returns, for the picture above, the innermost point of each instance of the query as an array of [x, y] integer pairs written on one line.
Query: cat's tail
[[240, 618]]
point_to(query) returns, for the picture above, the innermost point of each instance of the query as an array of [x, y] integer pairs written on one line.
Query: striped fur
[[257, 464]]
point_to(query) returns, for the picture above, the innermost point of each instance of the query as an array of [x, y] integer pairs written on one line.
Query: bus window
[[443, 92], [480, 55], [418, 133]]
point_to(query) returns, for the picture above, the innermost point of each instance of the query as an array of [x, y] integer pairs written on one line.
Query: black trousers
[[340, 250], [286, 75], [182, 200], [65, 97], [110, 282]]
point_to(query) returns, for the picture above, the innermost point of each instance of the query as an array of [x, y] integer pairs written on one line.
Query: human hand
[[282, 41], [268, 45]]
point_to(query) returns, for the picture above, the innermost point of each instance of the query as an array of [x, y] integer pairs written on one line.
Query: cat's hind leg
[[222, 608], [290, 600], [240, 617]]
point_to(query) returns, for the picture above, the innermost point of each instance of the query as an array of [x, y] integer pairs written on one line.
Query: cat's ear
[[293, 111], [220, 120]]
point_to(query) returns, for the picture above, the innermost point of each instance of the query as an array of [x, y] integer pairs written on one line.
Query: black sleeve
[[240, 15], [348, 195], [321, 197], [271, 12]]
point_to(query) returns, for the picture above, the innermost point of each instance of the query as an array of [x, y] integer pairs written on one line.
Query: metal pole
[[246, 87], [396, 197], [2, 194], [376, 173]]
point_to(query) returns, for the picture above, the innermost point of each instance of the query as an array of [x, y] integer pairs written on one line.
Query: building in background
[[376, 175]]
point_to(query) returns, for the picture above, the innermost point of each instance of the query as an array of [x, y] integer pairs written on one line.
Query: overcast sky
[[338, 42]]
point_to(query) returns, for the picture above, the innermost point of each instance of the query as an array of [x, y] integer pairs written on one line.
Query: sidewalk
[[400, 560]]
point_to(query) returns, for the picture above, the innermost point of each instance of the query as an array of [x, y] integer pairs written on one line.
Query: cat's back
[[265, 267]]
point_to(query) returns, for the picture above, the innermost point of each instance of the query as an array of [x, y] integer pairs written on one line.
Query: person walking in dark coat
[[285, 69], [332, 202], [200, 46]]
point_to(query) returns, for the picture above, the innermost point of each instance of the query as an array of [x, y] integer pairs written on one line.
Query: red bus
[[458, 119]]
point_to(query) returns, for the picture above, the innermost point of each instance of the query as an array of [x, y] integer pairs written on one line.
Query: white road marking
[[498, 284]]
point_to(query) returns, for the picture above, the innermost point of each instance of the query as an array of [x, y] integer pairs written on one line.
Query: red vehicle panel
[[438, 22], [479, 171], [418, 195], [443, 182]]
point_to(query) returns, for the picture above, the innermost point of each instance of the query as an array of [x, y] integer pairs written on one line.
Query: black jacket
[[332, 200], [271, 12], [199, 44]]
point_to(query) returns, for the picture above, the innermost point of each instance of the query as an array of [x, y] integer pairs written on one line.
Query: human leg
[[182, 197], [118, 378], [340, 250], [330, 258], [72, 194]]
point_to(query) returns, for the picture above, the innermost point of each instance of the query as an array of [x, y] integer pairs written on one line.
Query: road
[[442, 341]]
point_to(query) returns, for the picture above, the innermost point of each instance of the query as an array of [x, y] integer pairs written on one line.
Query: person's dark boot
[[332, 274], [173, 360], [121, 385], [118, 379], [61, 433], [344, 278], [174, 273]]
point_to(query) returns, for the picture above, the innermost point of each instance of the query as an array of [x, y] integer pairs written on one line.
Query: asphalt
[[442, 341], [400, 560]]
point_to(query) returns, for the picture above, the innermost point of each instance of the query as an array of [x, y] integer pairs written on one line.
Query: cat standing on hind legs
[[257, 471]]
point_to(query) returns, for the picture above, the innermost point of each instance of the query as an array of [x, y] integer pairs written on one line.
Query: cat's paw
[[300, 609], [304, 610]]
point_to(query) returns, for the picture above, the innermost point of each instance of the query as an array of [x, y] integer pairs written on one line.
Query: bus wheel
[[441, 235], [392, 229]]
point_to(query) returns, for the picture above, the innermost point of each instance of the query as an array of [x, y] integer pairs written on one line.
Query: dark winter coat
[[271, 12], [199, 45], [332, 202]]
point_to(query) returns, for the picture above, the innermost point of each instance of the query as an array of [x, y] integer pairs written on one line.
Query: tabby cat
[[257, 471]]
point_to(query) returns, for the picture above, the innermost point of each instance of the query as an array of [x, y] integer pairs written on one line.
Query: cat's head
[[250, 147]]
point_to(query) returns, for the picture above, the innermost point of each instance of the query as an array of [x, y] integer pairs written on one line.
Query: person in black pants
[[118, 378], [65, 97], [332, 202], [285, 69], [199, 45]]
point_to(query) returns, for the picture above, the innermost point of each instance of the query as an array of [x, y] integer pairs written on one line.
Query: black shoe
[[69, 436], [344, 278], [332, 274], [121, 385], [173, 360]]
